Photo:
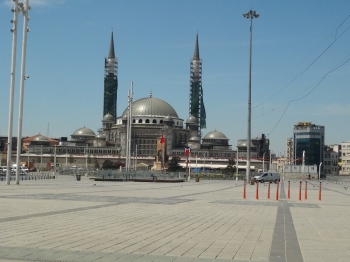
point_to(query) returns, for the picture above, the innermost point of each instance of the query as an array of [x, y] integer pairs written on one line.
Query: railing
[[139, 175], [32, 176]]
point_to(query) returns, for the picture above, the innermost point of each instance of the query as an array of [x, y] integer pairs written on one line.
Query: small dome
[[168, 119], [40, 138], [84, 132], [192, 120], [151, 106], [194, 138], [215, 135], [243, 143], [125, 117], [108, 118], [101, 136]]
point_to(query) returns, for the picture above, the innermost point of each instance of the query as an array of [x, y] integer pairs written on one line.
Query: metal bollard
[[319, 192], [277, 190], [244, 190], [305, 190]]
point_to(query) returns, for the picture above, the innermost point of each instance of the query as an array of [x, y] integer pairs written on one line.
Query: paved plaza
[[67, 220]]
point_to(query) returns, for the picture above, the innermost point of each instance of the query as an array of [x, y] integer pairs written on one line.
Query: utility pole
[[250, 15]]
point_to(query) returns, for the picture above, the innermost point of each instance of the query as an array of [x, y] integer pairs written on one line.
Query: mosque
[[151, 119]]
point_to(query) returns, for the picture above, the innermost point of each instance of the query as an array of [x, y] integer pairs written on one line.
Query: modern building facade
[[345, 158], [330, 161], [309, 143], [290, 150]]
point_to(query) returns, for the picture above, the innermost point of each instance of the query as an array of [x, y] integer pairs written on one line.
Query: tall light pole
[[18, 7], [250, 15], [12, 89], [24, 9]]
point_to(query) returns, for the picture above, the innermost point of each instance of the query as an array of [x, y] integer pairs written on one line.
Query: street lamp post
[[250, 15], [319, 171], [41, 158], [264, 161]]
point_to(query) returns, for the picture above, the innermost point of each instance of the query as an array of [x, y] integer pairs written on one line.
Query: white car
[[24, 169]]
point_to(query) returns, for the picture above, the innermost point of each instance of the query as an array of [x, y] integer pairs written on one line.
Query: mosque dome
[[101, 136], [168, 119], [40, 138], [151, 106], [194, 139], [243, 143], [215, 135], [191, 120], [108, 118], [84, 132]]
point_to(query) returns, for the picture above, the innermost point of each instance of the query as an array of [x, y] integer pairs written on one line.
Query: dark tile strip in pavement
[[285, 244], [58, 212]]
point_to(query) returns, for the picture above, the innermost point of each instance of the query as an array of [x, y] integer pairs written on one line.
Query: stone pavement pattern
[[68, 220]]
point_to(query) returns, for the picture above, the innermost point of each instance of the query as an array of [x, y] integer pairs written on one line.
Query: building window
[[140, 121], [147, 121], [154, 121]]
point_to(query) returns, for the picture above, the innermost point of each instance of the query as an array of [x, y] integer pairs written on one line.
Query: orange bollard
[[300, 191], [277, 190], [268, 191], [288, 189], [305, 190], [244, 190], [319, 192], [257, 191]]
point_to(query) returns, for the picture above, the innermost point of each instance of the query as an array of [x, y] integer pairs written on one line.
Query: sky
[[300, 63]]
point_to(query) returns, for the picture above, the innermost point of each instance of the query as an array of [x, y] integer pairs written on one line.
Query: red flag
[[162, 139], [187, 150]]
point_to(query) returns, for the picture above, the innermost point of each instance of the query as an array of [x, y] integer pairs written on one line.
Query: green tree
[[174, 164], [71, 159], [96, 164], [89, 160], [108, 164], [52, 158]]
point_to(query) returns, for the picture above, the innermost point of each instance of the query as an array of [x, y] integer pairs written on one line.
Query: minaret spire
[[196, 49], [110, 82], [197, 108], [111, 48]]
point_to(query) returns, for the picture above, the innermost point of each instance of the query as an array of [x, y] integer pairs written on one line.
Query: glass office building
[[309, 140]]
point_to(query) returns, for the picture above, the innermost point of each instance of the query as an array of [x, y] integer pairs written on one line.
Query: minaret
[[197, 108], [110, 83]]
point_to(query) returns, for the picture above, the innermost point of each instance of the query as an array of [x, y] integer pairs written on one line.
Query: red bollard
[[268, 191], [319, 192], [244, 190], [277, 190], [300, 191], [305, 190], [257, 191], [288, 189]]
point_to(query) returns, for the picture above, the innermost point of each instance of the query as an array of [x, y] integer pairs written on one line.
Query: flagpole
[[189, 167]]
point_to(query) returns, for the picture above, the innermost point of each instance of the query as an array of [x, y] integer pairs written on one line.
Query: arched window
[[161, 122], [147, 121], [154, 121], [140, 121], [133, 120]]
